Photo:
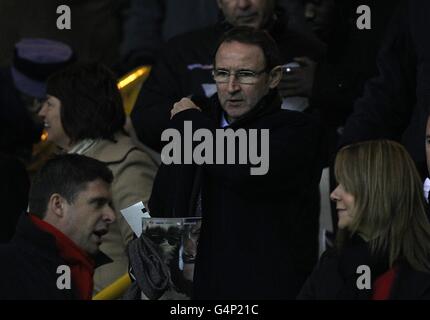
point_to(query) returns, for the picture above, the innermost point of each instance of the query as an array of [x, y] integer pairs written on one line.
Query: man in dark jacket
[[259, 232], [149, 24], [14, 186], [55, 248], [184, 65], [395, 103], [351, 57]]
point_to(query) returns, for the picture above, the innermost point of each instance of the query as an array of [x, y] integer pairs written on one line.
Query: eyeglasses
[[242, 76], [159, 235]]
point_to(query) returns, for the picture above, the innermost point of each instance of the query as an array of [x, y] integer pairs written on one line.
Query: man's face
[[320, 14], [238, 99], [251, 13], [87, 218]]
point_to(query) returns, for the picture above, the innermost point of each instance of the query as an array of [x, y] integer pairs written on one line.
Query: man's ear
[[56, 205], [219, 2], [275, 77]]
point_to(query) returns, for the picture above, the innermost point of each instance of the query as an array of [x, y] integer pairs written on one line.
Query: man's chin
[[251, 24], [93, 250], [234, 114]]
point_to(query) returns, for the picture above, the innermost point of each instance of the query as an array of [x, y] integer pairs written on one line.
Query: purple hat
[[35, 60]]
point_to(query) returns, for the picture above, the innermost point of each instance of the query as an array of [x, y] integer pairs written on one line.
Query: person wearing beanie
[[23, 88]]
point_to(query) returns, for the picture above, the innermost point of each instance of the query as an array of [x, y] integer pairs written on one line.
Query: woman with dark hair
[[383, 228], [83, 114]]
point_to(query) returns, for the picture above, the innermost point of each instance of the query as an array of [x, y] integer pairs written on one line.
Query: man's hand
[[183, 104], [299, 81]]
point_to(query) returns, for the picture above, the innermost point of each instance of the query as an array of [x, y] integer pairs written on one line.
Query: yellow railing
[[115, 290], [129, 87], [130, 84]]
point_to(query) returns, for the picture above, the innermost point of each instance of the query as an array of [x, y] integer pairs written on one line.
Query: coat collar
[[111, 152], [268, 104], [29, 236]]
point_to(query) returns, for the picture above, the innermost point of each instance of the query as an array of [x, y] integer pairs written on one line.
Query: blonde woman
[[384, 234]]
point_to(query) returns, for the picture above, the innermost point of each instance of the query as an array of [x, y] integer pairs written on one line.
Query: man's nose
[[109, 215], [42, 111], [310, 11], [233, 84]]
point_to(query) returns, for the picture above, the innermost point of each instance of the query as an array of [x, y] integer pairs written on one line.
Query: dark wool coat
[[29, 266], [259, 235], [335, 276]]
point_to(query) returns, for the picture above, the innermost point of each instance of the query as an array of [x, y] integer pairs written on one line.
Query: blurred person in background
[[394, 104], [23, 88], [14, 187], [95, 27], [350, 61], [83, 114], [149, 24]]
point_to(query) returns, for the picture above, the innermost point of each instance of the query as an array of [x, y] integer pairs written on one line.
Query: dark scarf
[[267, 105], [355, 253], [148, 269]]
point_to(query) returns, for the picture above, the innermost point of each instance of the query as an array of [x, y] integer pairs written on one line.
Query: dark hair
[[91, 105], [259, 38], [66, 175]]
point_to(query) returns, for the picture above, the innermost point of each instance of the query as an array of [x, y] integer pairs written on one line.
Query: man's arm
[[296, 148], [151, 114], [385, 109], [142, 32], [172, 192]]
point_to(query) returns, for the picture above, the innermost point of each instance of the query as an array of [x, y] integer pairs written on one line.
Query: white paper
[[133, 215]]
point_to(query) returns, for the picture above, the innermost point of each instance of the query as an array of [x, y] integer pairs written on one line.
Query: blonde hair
[[390, 209]]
